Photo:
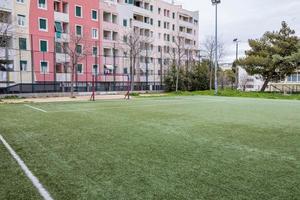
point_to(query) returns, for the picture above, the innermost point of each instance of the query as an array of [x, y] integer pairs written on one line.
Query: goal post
[[111, 83]]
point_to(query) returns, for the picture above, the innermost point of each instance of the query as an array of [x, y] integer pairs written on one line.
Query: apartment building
[[291, 84], [43, 34], [248, 82], [13, 42], [159, 24], [61, 28]]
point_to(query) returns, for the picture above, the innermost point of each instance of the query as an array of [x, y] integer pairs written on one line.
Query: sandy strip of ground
[[62, 99]]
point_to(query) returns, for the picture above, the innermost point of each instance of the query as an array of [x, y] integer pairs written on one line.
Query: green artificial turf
[[192, 147], [13, 183], [236, 93]]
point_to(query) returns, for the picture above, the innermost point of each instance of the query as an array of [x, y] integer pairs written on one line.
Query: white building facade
[[160, 23]]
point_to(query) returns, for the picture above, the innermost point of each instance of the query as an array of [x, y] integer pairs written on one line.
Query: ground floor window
[[23, 65], [294, 78], [79, 69], [44, 67], [95, 69]]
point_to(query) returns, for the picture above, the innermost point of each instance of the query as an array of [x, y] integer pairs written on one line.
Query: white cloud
[[244, 19]]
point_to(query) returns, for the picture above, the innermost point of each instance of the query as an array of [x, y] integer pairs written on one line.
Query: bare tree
[[178, 52], [209, 48], [5, 26], [243, 81], [5, 41], [135, 43], [77, 49]]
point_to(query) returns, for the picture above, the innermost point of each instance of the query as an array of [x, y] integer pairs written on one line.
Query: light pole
[[215, 3], [236, 67]]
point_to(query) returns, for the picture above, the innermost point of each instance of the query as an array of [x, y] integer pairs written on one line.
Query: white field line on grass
[[35, 108], [35, 181]]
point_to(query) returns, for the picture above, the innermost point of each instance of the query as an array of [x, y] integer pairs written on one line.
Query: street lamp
[[236, 58], [215, 3]]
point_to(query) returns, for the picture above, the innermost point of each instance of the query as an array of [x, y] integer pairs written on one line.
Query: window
[[44, 67], [43, 24], [78, 30], [125, 22], [20, 1], [43, 45], [95, 15], [58, 27], [23, 65], [95, 69], [79, 49], [95, 33], [58, 47], [21, 20], [125, 38], [95, 51], [22, 44], [125, 71], [129, 1], [79, 68], [42, 4], [78, 11]]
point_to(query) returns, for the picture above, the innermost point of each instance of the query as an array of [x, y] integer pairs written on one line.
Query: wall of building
[[110, 37]]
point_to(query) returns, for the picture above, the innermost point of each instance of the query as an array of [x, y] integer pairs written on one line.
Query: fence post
[[161, 68], [54, 64], [21, 80], [114, 67], [32, 64]]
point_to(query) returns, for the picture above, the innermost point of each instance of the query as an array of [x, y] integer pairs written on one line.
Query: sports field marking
[[35, 181], [35, 108]]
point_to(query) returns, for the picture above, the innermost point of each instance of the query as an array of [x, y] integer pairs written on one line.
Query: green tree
[[230, 77], [174, 81], [197, 78], [274, 56]]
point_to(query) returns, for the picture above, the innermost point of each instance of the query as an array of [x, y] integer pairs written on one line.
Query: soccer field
[[153, 148]]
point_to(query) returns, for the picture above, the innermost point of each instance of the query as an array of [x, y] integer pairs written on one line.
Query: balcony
[[62, 37], [63, 77], [141, 10], [6, 5], [62, 58], [62, 17], [141, 24], [11, 53]]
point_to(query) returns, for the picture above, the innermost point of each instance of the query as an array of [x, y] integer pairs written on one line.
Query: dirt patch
[[61, 99]]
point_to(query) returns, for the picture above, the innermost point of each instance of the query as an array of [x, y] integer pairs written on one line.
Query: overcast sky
[[244, 19]]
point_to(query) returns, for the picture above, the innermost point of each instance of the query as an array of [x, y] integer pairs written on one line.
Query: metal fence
[[52, 82]]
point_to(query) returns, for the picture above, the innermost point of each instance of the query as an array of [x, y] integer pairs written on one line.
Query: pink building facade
[[49, 31], [56, 26]]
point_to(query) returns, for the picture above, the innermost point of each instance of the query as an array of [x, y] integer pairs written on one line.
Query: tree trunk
[[265, 85], [72, 81], [177, 78], [210, 77], [132, 74], [236, 77]]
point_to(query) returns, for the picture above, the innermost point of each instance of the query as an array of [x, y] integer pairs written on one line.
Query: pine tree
[[274, 56]]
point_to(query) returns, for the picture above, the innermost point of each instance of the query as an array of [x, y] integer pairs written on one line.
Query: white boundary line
[[35, 108], [35, 181]]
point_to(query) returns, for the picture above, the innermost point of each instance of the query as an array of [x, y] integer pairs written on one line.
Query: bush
[[196, 78], [134, 94], [12, 97]]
